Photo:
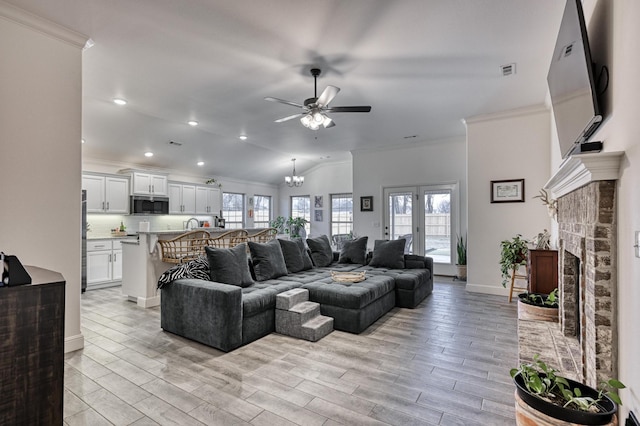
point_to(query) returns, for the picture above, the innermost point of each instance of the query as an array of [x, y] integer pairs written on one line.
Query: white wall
[[40, 131], [511, 145], [324, 179], [435, 162], [613, 34]]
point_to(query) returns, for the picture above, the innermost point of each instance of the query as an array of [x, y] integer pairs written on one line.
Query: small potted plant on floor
[[461, 264], [537, 306], [545, 398], [513, 253]]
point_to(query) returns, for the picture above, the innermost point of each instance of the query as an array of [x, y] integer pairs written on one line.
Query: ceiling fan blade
[[291, 117], [327, 95], [349, 109], [282, 101]]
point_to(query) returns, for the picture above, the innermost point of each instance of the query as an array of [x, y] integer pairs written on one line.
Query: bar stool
[[516, 276]]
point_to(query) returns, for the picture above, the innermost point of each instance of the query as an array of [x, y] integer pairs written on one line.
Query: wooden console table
[[32, 350], [543, 271]]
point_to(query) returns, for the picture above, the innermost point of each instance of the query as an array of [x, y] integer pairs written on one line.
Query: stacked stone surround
[[587, 231]]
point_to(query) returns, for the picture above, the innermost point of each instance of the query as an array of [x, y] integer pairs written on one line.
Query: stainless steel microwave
[[142, 204]]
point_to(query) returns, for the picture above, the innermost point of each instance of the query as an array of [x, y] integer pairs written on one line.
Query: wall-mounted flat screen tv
[[571, 82]]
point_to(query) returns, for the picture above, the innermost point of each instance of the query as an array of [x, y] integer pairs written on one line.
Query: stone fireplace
[[585, 187]]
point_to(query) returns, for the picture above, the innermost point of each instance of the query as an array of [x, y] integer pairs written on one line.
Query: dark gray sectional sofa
[[227, 316]]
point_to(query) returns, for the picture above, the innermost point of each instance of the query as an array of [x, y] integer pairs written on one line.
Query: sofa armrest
[[414, 261], [205, 311]]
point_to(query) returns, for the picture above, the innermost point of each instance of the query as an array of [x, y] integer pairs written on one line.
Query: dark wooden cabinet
[[32, 350], [543, 271]]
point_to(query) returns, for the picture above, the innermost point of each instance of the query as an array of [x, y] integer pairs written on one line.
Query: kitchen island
[[142, 263]]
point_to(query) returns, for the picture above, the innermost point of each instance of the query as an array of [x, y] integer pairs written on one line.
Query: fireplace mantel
[[581, 169]]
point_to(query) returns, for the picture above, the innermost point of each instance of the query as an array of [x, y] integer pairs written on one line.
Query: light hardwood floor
[[444, 363]]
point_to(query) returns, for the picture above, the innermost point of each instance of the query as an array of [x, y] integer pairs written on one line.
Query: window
[[261, 211], [341, 217], [301, 207], [233, 210]]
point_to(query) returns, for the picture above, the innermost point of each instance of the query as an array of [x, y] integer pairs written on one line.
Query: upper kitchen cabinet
[[208, 200], [182, 198], [106, 194], [148, 184]]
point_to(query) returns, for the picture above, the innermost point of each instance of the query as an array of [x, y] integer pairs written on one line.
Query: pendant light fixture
[[294, 180]]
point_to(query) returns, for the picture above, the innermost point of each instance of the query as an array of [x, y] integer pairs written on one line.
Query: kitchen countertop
[[111, 237]]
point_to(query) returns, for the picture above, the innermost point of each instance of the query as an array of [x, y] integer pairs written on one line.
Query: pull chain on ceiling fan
[[317, 108]]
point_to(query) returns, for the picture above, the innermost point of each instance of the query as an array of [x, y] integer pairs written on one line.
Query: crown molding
[[503, 115], [41, 25]]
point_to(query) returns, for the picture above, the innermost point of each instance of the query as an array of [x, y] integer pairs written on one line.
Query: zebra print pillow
[[197, 268]]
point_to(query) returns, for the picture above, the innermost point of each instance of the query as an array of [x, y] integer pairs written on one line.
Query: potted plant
[[542, 396], [537, 306], [461, 264], [513, 253], [278, 224], [296, 227]]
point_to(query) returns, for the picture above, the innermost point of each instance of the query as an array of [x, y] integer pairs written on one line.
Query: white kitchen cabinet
[[104, 262], [207, 200], [106, 194], [148, 184], [182, 198]]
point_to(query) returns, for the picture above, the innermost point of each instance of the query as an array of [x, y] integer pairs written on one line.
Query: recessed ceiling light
[[192, 123], [119, 101], [200, 163], [242, 137], [148, 154], [82, 140]]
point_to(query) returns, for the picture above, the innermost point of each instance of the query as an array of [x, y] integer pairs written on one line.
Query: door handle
[[115, 257], [107, 205]]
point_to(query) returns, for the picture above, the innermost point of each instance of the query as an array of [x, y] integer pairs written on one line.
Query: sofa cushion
[[268, 261], [354, 251], [229, 265], [350, 295], [388, 254], [295, 255], [321, 252], [261, 296], [196, 268]]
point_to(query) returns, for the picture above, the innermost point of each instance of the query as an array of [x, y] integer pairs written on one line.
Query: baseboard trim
[[488, 289], [73, 343], [148, 302]]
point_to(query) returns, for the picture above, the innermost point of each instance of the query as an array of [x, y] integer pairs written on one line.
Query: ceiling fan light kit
[[316, 108]]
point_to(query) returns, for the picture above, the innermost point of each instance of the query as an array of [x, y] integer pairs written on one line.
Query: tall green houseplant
[[461, 264], [512, 252]]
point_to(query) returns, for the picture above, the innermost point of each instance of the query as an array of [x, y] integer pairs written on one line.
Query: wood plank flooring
[[444, 363]]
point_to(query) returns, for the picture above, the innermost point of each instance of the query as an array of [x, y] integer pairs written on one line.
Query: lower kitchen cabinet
[[104, 263]]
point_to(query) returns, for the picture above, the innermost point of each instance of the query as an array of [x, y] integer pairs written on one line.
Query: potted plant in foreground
[[537, 306], [513, 253], [542, 396], [461, 264]]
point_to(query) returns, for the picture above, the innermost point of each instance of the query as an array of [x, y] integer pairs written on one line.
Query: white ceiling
[[423, 65]]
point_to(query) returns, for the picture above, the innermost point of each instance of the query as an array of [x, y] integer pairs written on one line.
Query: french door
[[426, 217]]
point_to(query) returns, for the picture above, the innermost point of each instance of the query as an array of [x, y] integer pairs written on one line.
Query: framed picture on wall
[[507, 191], [318, 201], [366, 204], [318, 214]]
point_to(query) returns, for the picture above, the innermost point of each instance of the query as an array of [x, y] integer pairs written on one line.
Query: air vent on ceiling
[[175, 143], [567, 50], [508, 69]]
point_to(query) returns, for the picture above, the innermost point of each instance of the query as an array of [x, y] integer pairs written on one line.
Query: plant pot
[[462, 272], [531, 410], [527, 311]]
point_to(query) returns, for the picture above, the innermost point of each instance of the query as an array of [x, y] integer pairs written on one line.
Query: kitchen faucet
[[186, 225]]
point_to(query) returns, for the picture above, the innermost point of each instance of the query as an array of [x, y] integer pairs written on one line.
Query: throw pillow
[[354, 251], [388, 254], [268, 261], [295, 255], [197, 268], [229, 265], [321, 252]]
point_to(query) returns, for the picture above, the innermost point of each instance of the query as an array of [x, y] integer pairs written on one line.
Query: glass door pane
[[437, 225], [400, 221]]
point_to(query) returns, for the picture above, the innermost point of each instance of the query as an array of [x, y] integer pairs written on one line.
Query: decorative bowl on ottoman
[[348, 277]]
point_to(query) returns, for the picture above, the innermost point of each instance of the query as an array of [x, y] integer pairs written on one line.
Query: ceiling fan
[[315, 109]]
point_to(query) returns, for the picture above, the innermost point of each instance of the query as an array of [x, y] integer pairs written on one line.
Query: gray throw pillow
[[268, 261], [388, 254], [354, 251], [295, 255], [321, 252], [229, 265]]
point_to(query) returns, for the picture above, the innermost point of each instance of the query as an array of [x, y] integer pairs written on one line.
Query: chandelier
[[294, 180], [316, 118]]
